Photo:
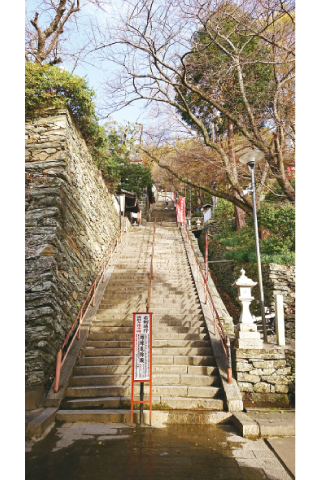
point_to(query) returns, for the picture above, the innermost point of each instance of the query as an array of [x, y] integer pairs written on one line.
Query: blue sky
[[94, 74]]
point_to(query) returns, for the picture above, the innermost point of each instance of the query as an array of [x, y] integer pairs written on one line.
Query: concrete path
[[117, 451]]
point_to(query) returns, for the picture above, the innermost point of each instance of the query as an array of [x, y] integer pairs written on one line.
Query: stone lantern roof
[[244, 281]]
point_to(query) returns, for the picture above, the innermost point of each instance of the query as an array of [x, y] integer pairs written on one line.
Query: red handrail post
[[104, 272], [229, 364], [94, 294], [58, 370], [80, 321]]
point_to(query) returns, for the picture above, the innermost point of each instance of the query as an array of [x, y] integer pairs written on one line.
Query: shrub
[[277, 248], [224, 210], [280, 221]]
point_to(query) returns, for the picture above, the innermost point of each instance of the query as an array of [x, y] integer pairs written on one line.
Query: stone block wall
[[280, 280], [70, 223], [263, 375]]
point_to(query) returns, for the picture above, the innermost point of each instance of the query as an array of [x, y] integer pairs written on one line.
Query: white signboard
[[207, 215], [122, 203], [141, 346]]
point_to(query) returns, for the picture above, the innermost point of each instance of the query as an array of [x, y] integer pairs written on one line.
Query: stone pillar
[[280, 320]]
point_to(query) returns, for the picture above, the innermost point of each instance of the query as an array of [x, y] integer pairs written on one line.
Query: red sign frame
[[133, 381]]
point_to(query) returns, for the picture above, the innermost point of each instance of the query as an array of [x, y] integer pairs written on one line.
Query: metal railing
[[75, 329], [162, 214], [217, 324], [151, 265]]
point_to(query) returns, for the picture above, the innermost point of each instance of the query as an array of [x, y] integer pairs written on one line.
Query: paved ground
[[117, 451], [285, 450]]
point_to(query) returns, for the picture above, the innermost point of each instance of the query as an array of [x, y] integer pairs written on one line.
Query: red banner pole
[[206, 272], [150, 367], [133, 356]]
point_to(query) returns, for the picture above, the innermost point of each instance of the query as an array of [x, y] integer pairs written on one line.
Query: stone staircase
[[185, 375]]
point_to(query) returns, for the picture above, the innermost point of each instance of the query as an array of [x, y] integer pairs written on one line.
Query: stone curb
[[259, 429], [233, 397], [41, 425], [246, 426]]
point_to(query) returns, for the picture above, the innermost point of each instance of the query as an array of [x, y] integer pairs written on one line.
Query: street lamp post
[[250, 159]]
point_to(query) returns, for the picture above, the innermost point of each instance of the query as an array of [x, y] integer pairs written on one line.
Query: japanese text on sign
[[181, 210], [142, 346]]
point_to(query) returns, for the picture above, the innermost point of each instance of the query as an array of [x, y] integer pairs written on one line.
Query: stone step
[[161, 329], [157, 335], [114, 313], [174, 275], [98, 352], [157, 379], [157, 297], [105, 321], [172, 292], [198, 360], [158, 284], [176, 305], [136, 264], [167, 403], [155, 343], [156, 317], [156, 369], [125, 390], [111, 329], [198, 413]]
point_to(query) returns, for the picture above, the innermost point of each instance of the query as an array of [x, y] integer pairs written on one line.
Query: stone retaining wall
[[263, 375], [70, 223]]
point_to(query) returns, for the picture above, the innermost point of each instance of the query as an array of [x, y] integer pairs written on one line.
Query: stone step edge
[[156, 399], [157, 417]]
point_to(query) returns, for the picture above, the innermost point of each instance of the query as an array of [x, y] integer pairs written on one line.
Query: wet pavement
[[93, 451]]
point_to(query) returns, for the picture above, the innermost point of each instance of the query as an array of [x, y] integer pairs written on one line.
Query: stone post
[[280, 320], [247, 335]]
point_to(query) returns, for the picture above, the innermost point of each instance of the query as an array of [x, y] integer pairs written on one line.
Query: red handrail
[[90, 299], [217, 325], [151, 265]]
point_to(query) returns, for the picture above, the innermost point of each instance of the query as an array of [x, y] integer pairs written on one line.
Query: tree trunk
[[238, 212]]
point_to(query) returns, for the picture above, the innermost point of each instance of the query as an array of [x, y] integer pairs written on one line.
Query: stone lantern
[[247, 335]]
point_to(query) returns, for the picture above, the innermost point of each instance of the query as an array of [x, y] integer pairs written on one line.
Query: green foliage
[[280, 221], [110, 145], [49, 85], [277, 248], [135, 177], [224, 210], [211, 70]]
